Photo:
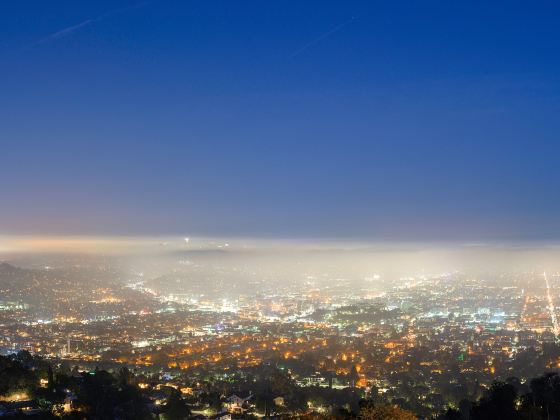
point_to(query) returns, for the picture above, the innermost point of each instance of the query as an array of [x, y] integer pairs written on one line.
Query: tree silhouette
[[499, 403], [176, 408], [384, 412]]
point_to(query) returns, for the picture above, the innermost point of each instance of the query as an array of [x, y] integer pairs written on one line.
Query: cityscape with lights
[[238, 210], [230, 340]]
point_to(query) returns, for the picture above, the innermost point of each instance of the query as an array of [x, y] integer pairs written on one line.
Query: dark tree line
[[104, 395], [96, 395], [513, 400]]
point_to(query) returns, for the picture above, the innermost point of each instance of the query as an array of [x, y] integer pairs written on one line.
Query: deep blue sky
[[409, 120]]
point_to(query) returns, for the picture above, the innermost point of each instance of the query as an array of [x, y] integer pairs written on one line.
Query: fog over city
[[241, 210], [358, 259], [323, 324]]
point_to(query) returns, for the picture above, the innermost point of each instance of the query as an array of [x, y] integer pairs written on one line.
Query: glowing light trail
[[555, 326]]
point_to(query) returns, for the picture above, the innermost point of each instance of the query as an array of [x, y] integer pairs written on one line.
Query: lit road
[[555, 326]]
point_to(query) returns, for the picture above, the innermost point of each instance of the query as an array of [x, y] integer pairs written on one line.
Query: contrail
[[323, 36], [71, 29], [65, 32]]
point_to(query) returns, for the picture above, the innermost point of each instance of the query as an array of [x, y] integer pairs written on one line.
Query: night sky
[[421, 120]]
